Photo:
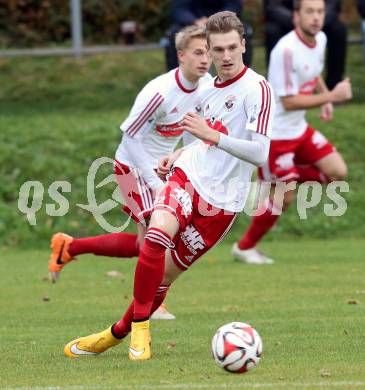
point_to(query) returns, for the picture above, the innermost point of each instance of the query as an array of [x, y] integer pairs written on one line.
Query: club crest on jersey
[[229, 103]]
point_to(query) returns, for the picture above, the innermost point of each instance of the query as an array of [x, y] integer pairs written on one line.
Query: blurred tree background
[[37, 23]]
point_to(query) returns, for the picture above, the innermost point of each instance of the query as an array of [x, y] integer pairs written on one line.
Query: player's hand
[[342, 91], [163, 167], [326, 112], [166, 162], [196, 125]]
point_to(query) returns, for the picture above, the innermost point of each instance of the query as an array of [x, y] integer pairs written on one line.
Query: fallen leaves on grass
[[229, 309], [353, 302], [315, 269], [46, 278], [114, 274], [325, 373]]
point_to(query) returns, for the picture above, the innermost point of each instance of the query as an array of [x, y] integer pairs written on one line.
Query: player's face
[[310, 17], [226, 50], [194, 60]]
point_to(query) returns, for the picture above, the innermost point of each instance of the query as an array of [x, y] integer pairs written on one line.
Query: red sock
[[149, 271], [112, 245], [160, 297], [123, 326], [311, 173], [260, 225]]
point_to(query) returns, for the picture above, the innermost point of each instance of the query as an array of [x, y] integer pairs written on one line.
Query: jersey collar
[[179, 83], [230, 81], [311, 45]]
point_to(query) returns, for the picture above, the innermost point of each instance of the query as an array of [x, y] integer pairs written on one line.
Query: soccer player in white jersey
[[151, 131], [207, 186], [298, 152]]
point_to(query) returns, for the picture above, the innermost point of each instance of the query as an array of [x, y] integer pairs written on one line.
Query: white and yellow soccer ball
[[236, 347]]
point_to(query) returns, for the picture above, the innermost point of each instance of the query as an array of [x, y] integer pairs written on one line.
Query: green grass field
[[57, 116], [313, 336]]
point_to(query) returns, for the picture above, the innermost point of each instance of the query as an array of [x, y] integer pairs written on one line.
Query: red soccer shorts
[[286, 155], [135, 191], [201, 225]]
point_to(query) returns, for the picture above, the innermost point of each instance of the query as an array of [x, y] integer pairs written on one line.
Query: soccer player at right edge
[[207, 187], [297, 152]]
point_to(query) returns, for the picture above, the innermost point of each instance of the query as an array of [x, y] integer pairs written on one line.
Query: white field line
[[313, 385]]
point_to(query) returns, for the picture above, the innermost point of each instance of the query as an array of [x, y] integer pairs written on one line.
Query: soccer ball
[[236, 347]]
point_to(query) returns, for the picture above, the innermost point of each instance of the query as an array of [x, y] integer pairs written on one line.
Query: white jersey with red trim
[[156, 113], [237, 107], [294, 68]]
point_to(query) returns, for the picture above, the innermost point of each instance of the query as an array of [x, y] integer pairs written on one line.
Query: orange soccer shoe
[[60, 244], [161, 313]]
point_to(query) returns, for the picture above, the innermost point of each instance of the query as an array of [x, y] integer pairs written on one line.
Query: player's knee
[[342, 172], [338, 173], [165, 221]]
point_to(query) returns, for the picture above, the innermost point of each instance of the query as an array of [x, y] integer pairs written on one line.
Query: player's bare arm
[[341, 93], [327, 108]]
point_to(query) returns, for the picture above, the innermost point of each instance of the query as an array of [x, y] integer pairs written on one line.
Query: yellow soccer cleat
[[140, 348], [91, 345], [60, 244]]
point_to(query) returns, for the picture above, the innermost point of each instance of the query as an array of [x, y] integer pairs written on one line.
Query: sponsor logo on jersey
[[285, 161], [217, 125], [169, 130], [189, 258], [229, 103], [183, 199], [174, 111], [308, 87], [192, 239], [319, 140]]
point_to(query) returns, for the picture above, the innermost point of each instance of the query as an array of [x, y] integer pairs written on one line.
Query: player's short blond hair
[[224, 22], [184, 36]]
